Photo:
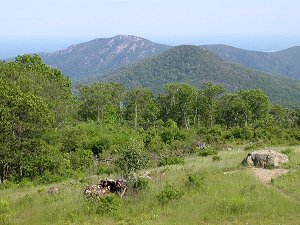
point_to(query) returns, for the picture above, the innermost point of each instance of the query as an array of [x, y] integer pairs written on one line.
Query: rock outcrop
[[265, 158], [106, 186]]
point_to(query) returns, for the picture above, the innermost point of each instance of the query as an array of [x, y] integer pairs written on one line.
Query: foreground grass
[[227, 194]]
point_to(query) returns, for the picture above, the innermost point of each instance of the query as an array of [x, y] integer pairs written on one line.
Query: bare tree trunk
[[211, 116], [135, 115], [246, 121]]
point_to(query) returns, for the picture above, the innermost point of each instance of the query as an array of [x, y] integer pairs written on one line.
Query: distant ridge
[[284, 63], [195, 65], [82, 61]]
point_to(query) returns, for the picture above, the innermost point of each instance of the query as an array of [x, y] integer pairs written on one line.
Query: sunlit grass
[[228, 194]]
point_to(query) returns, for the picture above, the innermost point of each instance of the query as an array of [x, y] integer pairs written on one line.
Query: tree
[[233, 111], [210, 95], [97, 99], [34, 99], [178, 103], [32, 75], [23, 119], [141, 107], [258, 104]]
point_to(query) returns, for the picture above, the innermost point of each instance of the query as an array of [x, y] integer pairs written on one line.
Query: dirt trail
[[266, 175]]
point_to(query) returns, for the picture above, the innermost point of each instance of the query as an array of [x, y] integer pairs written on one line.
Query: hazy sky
[[167, 21]]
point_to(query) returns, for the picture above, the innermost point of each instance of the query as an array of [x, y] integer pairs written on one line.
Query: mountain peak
[[101, 55], [127, 37]]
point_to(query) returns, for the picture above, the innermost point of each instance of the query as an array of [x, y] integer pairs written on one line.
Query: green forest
[[50, 135], [195, 65]]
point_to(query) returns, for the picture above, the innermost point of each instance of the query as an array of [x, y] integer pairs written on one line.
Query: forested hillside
[[195, 65], [48, 136], [284, 63], [82, 61]]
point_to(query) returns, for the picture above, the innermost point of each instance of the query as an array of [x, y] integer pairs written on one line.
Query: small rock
[[53, 190]]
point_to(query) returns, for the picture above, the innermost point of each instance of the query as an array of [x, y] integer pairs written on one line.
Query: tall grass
[[226, 193]]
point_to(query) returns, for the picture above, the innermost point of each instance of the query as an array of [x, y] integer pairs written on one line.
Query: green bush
[[215, 134], [216, 158], [101, 145], [194, 180], [169, 193], [130, 160], [141, 184], [7, 184], [254, 145], [207, 152], [235, 204], [25, 182], [81, 159], [105, 169], [107, 204], [48, 178], [154, 144], [243, 133], [202, 131], [171, 160]]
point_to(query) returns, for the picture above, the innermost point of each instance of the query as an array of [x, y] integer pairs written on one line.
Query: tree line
[[186, 105]]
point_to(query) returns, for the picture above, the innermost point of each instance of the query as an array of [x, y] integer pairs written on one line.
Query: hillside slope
[[284, 63], [196, 65], [98, 56]]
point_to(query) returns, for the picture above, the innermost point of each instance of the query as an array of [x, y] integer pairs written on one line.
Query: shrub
[[49, 177], [254, 145], [81, 159], [202, 131], [105, 169], [244, 133], [7, 184], [234, 204], [101, 145], [107, 204], [171, 160], [169, 193], [216, 158], [141, 184], [130, 160], [207, 152], [194, 180], [155, 144], [25, 182], [215, 134]]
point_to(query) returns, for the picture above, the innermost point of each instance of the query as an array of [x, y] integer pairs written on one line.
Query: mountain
[[195, 65], [284, 63], [101, 55]]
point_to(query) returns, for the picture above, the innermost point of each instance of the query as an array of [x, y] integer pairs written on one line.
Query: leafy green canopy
[[33, 99]]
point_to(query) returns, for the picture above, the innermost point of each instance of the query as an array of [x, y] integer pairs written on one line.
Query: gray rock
[[265, 158], [53, 190]]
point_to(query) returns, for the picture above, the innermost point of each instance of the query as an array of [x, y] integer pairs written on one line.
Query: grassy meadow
[[200, 191]]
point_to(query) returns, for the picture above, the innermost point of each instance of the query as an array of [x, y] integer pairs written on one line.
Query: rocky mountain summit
[[101, 55]]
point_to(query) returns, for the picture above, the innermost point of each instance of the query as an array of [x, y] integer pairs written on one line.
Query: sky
[[48, 25]]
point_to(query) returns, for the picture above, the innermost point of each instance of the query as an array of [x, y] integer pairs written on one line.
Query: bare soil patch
[[266, 175]]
